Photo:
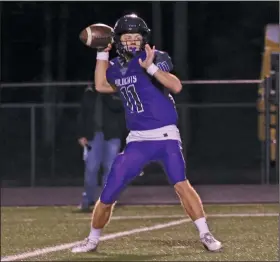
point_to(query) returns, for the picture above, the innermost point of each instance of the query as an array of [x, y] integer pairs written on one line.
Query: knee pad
[[122, 172], [115, 182]]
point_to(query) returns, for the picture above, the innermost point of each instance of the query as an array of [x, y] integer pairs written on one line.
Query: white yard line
[[146, 217], [47, 250], [245, 215], [113, 218], [160, 216]]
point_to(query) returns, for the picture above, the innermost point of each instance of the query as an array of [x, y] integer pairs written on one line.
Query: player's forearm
[[100, 81], [170, 81], [101, 84]]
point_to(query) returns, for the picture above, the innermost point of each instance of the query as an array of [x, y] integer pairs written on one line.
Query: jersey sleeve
[[109, 76], [163, 61]]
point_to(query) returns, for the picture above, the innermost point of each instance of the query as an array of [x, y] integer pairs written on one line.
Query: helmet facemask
[[132, 43], [130, 48], [134, 27]]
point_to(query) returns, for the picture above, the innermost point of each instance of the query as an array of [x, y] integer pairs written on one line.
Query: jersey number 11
[[132, 99]]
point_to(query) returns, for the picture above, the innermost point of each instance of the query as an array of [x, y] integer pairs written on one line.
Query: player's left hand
[[150, 55]]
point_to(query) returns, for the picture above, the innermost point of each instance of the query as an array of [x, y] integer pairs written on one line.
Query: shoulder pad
[[163, 61]]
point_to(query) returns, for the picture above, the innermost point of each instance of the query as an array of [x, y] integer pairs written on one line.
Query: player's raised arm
[[161, 72], [102, 63]]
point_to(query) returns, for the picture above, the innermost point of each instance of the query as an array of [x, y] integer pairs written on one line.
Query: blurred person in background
[[101, 126]]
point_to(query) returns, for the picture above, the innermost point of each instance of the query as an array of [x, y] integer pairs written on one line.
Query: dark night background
[[225, 40]]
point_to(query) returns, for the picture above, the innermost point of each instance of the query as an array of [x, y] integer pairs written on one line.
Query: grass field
[[148, 233]]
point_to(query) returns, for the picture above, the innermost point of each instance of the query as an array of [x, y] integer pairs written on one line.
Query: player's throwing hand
[[150, 55], [106, 49]]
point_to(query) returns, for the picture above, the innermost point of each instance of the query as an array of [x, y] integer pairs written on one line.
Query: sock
[[94, 233], [202, 226]]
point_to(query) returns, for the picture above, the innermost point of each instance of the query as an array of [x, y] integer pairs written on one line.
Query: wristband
[[102, 56], [151, 70]]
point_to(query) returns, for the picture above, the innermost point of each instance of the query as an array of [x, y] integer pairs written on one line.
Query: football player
[[142, 75]]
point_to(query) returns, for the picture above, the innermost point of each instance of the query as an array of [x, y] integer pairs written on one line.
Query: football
[[97, 35]]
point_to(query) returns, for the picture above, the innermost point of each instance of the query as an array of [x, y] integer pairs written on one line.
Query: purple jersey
[[146, 105]]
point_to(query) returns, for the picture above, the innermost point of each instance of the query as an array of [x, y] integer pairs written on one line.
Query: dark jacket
[[101, 112]]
